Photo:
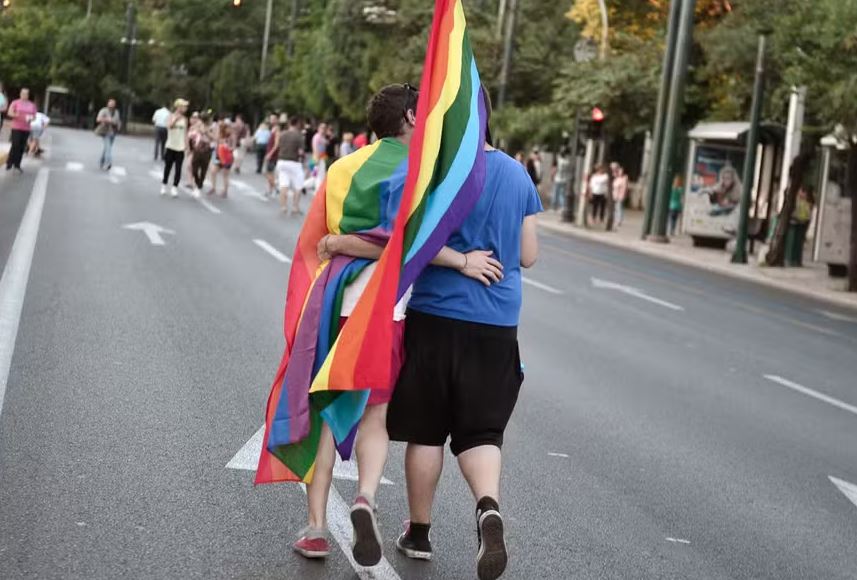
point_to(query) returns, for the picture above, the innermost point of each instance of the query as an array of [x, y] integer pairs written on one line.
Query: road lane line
[[848, 489], [339, 525], [678, 540], [16, 274], [119, 171], [563, 455], [810, 393], [273, 251], [208, 205], [74, 166], [635, 292], [836, 316], [540, 286]]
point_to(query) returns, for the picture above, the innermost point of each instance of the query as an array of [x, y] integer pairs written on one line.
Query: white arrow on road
[[152, 231], [636, 292], [248, 456], [849, 489]]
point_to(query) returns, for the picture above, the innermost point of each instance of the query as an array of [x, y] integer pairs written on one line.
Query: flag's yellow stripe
[[434, 122], [339, 183]]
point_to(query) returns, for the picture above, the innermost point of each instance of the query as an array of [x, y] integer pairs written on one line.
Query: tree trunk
[[777, 252], [851, 187]]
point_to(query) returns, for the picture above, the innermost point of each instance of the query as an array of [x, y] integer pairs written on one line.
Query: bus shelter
[[833, 221]]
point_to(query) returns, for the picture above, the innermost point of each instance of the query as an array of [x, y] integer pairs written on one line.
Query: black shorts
[[460, 380]]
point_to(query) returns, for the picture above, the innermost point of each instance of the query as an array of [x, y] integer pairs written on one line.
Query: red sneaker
[[312, 544]]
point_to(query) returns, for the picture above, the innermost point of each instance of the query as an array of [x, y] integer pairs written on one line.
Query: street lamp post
[[265, 36], [740, 254]]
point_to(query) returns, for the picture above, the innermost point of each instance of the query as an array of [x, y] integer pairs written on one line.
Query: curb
[[830, 296]]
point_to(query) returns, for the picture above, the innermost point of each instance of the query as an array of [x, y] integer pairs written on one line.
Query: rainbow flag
[[444, 178]]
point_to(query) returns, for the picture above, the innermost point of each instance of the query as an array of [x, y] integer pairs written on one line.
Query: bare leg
[[371, 447], [296, 200], [481, 468], [423, 466], [283, 198], [318, 491], [214, 171], [225, 182]]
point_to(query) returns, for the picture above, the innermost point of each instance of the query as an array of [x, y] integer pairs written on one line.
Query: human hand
[[480, 266], [327, 247]]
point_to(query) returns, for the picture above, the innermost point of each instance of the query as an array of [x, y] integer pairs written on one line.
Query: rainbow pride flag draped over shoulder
[[445, 176]]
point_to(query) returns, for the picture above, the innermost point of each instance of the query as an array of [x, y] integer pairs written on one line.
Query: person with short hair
[[200, 152], [177, 127], [290, 170], [224, 158], [159, 120], [21, 111], [619, 191], [463, 370], [271, 156], [238, 141], [260, 142], [561, 174], [107, 123]]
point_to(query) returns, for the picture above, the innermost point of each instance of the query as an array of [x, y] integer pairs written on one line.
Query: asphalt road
[[673, 423]]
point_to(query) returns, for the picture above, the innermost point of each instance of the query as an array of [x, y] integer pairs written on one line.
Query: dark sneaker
[[366, 545], [415, 541], [492, 557], [312, 544]]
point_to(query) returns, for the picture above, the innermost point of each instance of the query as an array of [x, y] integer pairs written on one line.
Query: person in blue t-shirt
[[462, 370]]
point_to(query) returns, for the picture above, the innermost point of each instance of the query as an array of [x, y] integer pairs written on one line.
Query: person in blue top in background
[[462, 370]]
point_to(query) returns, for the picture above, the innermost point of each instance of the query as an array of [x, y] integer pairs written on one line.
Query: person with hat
[[177, 127]]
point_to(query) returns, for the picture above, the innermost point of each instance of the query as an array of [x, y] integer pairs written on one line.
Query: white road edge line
[[848, 489], [635, 292], [13, 284], [208, 205], [552, 454], [277, 254], [810, 393], [540, 286]]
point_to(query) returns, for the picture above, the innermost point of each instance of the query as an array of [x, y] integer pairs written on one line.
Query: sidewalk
[[811, 280]]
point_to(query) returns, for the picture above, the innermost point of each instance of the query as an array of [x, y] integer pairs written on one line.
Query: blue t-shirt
[[494, 224]]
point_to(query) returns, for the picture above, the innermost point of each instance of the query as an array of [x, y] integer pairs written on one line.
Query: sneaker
[[195, 193], [163, 190], [366, 545], [312, 544], [492, 557], [174, 191], [415, 541]]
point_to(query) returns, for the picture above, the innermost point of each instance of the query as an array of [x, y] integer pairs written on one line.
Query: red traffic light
[[597, 114]]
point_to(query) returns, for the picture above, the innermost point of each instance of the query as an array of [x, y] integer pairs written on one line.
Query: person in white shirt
[[599, 186], [160, 120], [37, 128]]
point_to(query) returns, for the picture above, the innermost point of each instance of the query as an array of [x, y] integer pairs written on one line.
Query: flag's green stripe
[[299, 456], [362, 211]]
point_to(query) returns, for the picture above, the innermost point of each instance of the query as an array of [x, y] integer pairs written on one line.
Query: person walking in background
[[107, 125], [676, 203], [561, 175], [239, 133], [799, 224], [361, 140], [319, 152], [4, 105], [160, 120], [176, 145], [22, 111], [619, 192], [599, 186], [290, 170], [260, 141], [224, 158], [37, 129], [200, 152], [347, 145], [272, 154], [534, 167]]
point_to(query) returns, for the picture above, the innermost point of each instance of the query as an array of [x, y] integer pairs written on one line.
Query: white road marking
[[247, 190], [152, 231], [277, 254], [540, 286], [565, 455], [208, 205], [74, 166], [154, 173], [16, 274], [814, 394], [678, 541], [849, 489], [113, 179], [339, 524], [248, 456], [118, 171], [836, 316], [635, 292]]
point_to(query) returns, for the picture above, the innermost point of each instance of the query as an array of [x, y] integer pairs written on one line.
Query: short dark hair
[[387, 109], [294, 121], [486, 100]]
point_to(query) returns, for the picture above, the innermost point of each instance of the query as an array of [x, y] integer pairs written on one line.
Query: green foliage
[[87, 60]]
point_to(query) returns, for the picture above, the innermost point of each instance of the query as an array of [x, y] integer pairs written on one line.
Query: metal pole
[[605, 28], [588, 159], [568, 212], [660, 116], [672, 123], [740, 254], [88, 9], [290, 47], [130, 38], [501, 17], [507, 52], [266, 35]]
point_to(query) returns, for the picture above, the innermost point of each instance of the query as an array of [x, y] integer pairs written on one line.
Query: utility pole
[[290, 46], [507, 52], [88, 9], [265, 36], [130, 40], [660, 116], [605, 29], [501, 18], [672, 122], [740, 254]]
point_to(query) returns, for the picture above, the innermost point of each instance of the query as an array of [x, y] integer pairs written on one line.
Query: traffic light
[[597, 125]]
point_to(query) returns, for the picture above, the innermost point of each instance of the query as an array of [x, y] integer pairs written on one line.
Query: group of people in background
[[27, 126]]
